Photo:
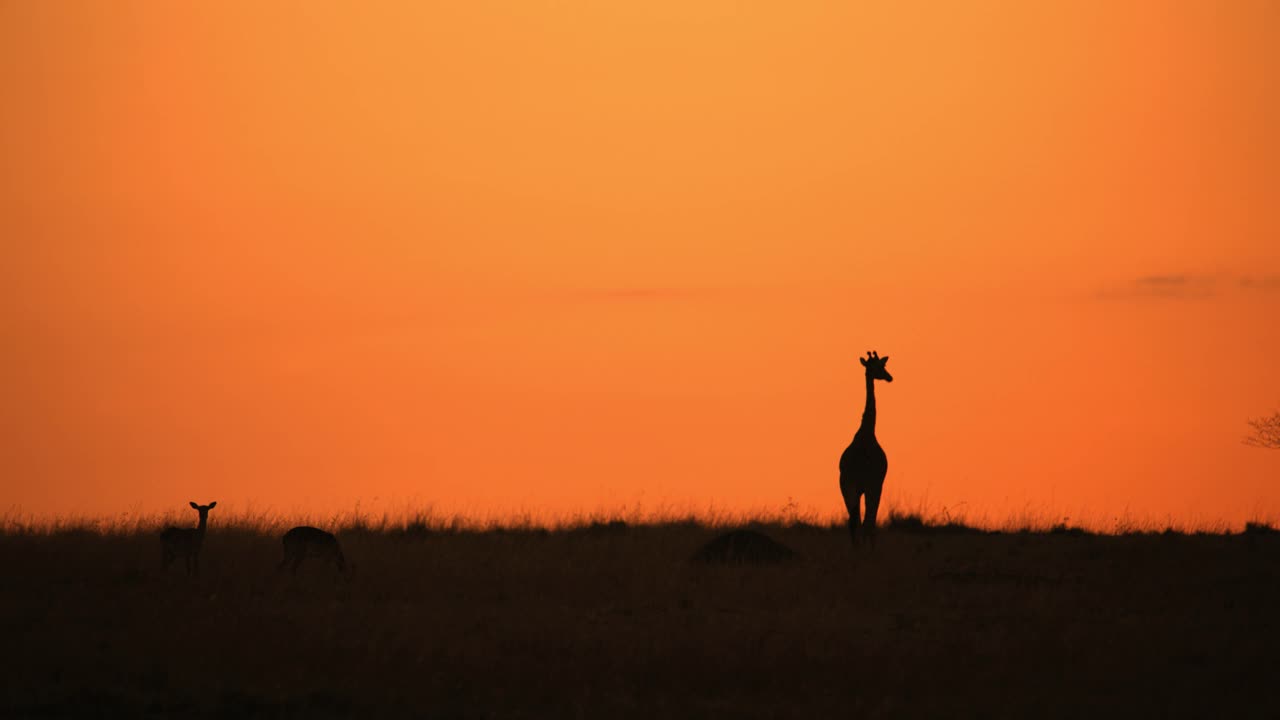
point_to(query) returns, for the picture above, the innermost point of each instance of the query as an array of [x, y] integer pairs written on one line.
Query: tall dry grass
[[427, 519]]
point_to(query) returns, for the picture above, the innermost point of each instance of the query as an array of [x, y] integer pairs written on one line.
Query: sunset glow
[[562, 257]]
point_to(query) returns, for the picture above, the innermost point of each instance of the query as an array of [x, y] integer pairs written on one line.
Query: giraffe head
[[875, 367]]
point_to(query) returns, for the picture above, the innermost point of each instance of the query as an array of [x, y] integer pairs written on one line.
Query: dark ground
[[615, 621]]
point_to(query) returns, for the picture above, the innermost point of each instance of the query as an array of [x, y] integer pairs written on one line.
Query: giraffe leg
[[873, 506], [852, 504]]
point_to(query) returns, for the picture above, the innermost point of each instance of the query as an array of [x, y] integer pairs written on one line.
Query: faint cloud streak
[[1188, 286], [640, 294]]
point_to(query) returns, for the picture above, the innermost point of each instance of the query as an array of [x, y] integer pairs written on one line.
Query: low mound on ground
[[744, 547]]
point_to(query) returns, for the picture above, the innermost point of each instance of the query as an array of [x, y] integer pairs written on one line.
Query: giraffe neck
[[869, 414]]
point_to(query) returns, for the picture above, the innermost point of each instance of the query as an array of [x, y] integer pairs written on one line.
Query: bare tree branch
[[1266, 432]]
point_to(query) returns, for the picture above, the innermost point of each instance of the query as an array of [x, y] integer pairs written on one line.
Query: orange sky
[[566, 256]]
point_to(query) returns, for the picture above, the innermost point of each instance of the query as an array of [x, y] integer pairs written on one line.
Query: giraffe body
[[863, 465]]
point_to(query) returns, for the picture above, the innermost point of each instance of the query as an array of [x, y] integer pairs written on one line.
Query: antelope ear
[[863, 361], [212, 504], [195, 506]]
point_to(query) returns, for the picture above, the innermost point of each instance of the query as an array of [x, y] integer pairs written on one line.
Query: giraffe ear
[[863, 361], [213, 504], [884, 359], [197, 507]]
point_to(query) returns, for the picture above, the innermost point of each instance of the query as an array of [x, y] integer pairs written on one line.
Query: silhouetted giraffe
[[863, 464]]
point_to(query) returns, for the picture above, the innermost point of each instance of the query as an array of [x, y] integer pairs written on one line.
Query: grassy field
[[614, 620]]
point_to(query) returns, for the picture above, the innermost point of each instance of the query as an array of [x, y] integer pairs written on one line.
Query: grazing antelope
[[185, 542], [303, 542]]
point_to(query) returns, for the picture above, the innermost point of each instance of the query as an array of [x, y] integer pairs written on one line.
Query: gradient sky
[[560, 256]]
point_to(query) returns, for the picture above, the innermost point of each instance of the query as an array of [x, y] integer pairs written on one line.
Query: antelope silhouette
[[178, 542], [303, 542]]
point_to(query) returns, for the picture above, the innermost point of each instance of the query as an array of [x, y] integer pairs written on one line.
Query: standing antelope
[[303, 542], [185, 542]]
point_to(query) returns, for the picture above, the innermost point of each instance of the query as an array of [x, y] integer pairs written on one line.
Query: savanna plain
[[619, 619]]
